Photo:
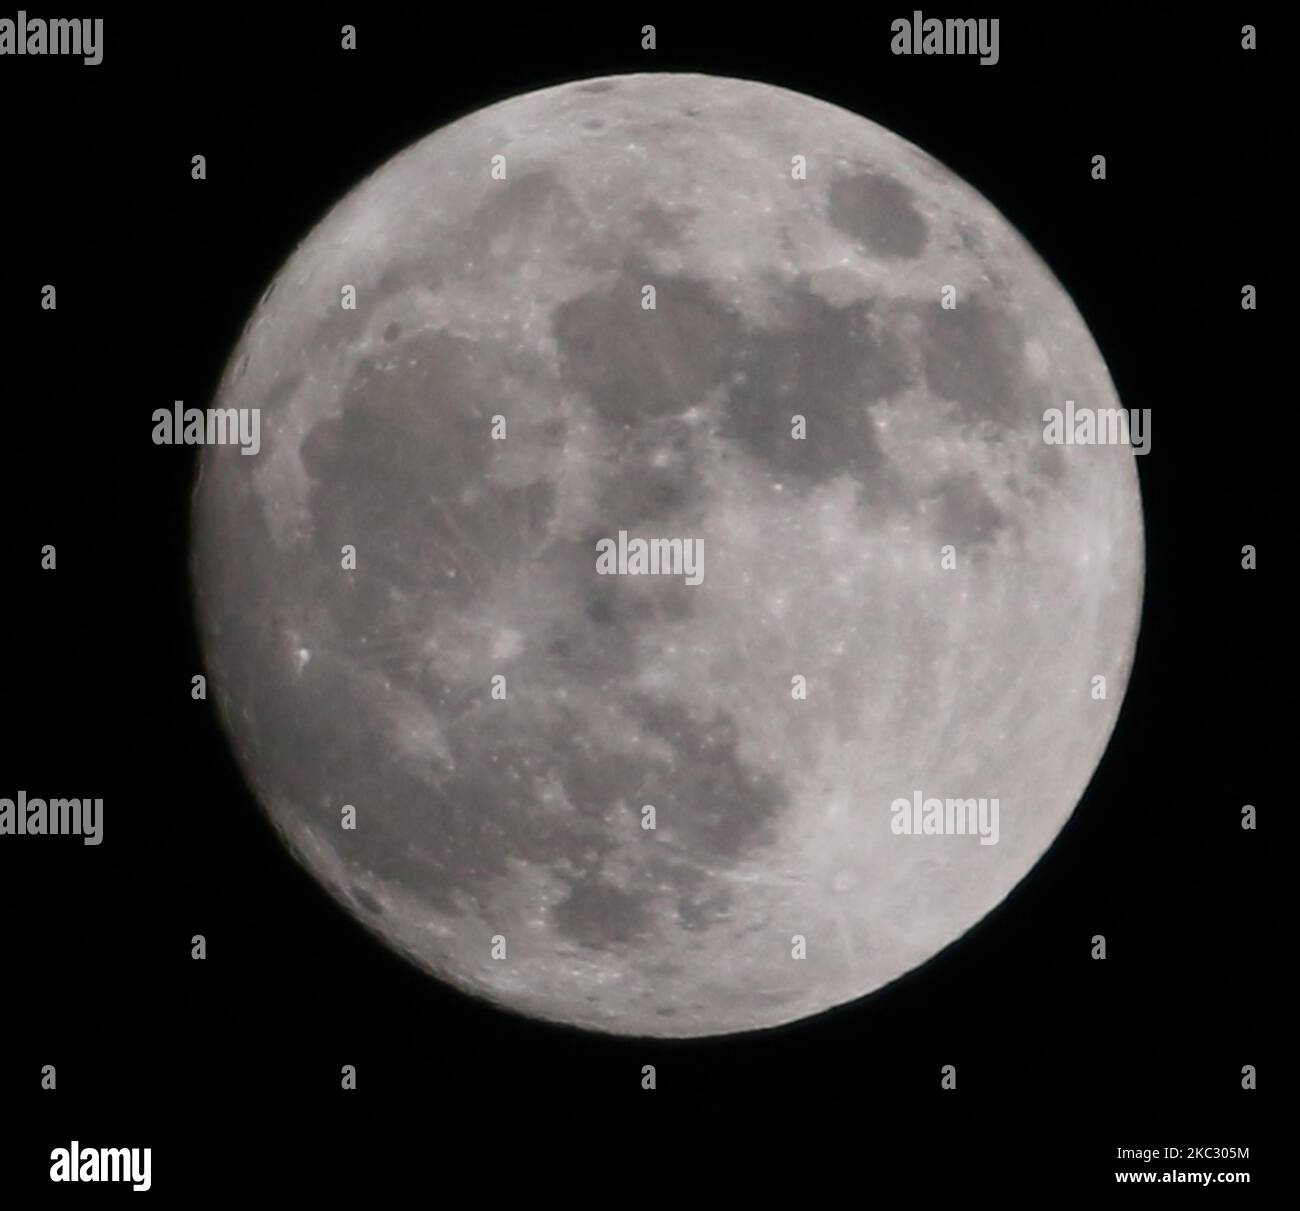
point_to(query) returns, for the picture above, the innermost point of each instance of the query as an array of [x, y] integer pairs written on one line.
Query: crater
[[878, 212]]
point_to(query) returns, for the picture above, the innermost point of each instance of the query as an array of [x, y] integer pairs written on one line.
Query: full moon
[[794, 373]]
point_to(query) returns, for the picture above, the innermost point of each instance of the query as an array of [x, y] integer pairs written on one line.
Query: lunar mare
[[520, 818]]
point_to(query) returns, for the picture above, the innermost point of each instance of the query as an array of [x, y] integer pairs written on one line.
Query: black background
[[229, 1068]]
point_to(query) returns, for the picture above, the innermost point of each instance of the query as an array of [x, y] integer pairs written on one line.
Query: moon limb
[[521, 819]]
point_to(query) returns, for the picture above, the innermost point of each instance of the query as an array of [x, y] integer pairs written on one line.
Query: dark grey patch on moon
[[1049, 465], [475, 844], [515, 215], [594, 654], [416, 463], [281, 391], [824, 363], [599, 915], [716, 805], [590, 657], [634, 363], [973, 356], [600, 609], [968, 516], [972, 239], [627, 606], [878, 212], [412, 273], [661, 228]]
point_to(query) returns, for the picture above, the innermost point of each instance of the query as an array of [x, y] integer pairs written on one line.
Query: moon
[[618, 799]]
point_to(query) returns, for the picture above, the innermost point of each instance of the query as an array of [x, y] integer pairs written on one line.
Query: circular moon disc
[[672, 307]]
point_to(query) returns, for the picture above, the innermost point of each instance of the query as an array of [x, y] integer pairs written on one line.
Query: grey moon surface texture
[[499, 841]]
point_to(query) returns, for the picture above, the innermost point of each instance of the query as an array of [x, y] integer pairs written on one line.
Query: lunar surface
[[907, 593]]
